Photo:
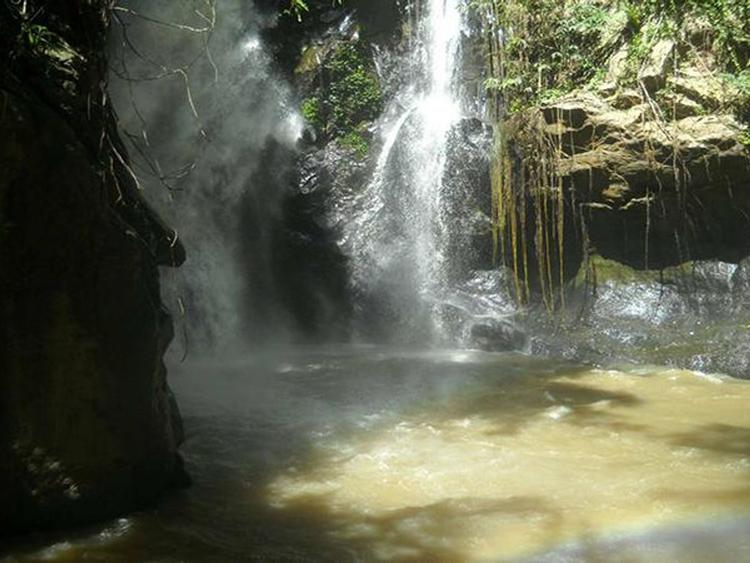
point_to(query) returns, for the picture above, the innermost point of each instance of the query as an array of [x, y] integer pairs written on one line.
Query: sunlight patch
[[516, 468]]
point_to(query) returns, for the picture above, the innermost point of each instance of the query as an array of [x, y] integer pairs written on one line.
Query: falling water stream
[[398, 238], [365, 453]]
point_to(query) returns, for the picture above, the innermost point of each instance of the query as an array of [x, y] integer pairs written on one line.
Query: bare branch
[[121, 71], [172, 25]]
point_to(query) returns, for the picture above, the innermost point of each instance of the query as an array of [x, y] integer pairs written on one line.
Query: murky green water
[[364, 454]]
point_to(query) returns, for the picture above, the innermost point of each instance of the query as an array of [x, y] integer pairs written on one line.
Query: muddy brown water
[[371, 454]]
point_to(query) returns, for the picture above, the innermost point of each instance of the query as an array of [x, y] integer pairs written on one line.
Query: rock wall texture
[[88, 426], [663, 167], [651, 149], [692, 316]]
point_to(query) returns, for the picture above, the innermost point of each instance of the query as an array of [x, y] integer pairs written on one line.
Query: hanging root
[[528, 197]]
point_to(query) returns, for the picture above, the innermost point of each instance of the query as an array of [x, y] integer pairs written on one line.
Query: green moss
[[612, 271], [609, 270], [309, 61]]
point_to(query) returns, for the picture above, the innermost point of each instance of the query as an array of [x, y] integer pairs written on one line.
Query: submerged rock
[[481, 313]]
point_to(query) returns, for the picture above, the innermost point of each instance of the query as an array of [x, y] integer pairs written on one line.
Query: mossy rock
[[612, 272], [312, 55], [357, 141], [354, 93]]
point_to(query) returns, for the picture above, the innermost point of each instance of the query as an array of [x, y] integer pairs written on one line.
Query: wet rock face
[[694, 316], [497, 335], [292, 233], [329, 57], [655, 168], [468, 192], [326, 21], [88, 426], [481, 312]]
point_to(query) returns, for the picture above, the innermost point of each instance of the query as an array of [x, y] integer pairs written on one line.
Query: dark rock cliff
[[88, 425]]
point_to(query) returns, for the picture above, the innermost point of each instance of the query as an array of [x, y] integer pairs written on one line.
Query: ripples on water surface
[[367, 454]]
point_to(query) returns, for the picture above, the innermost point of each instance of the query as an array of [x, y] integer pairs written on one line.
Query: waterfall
[[398, 240], [273, 260]]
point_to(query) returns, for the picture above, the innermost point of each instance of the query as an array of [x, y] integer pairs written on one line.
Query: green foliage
[[740, 83], [347, 99], [297, 8], [311, 112], [546, 48], [355, 141], [354, 94], [728, 23], [540, 50], [34, 35]]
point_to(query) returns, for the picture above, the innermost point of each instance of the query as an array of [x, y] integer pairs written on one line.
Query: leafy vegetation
[[354, 92], [356, 141], [311, 112], [542, 49], [349, 99], [297, 8], [740, 83], [34, 35]]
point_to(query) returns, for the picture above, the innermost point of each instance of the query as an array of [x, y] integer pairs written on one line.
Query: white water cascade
[[398, 240]]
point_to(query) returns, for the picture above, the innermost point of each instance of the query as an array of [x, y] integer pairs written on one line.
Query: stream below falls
[[366, 453]]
